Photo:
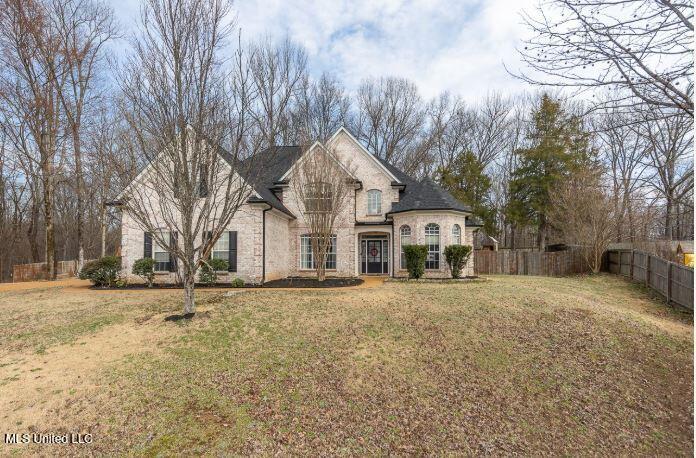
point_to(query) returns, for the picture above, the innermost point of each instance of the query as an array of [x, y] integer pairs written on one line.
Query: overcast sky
[[457, 45]]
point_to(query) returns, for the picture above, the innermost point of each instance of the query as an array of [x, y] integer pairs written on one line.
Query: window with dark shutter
[[233, 251], [147, 249], [203, 182], [173, 238]]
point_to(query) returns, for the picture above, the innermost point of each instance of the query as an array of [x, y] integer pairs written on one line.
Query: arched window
[[432, 240], [405, 233], [456, 235], [374, 202]]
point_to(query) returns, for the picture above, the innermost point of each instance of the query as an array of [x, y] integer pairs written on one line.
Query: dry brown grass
[[528, 365]]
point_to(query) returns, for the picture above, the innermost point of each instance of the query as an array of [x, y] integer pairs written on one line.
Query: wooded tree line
[[74, 122]]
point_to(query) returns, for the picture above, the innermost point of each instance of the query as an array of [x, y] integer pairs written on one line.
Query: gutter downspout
[[393, 245], [263, 244]]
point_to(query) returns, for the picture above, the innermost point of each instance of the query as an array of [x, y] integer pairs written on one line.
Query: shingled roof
[[416, 195]]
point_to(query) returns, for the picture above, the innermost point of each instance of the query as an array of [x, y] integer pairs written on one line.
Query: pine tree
[[466, 180], [559, 146]]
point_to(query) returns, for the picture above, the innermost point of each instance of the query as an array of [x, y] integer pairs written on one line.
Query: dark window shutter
[[233, 252], [203, 183], [173, 238], [147, 251]]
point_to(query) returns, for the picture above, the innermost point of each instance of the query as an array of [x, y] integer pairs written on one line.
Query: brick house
[[267, 238]]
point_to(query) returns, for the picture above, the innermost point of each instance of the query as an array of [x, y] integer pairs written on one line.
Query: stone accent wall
[[417, 221]]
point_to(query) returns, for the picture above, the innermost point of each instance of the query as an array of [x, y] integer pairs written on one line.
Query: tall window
[[456, 235], [221, 249], [432, 240], [405, 240], [374, 202], [318, 197], [160, 253], [307, 257]]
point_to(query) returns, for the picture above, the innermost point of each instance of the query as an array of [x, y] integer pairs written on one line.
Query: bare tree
[[669, 159], [322, 186], [180, 112], [322, 107], [390, 119], [623, 150], [277, 71], [33, 118], [84, 27], [644, 48], [583, 213]]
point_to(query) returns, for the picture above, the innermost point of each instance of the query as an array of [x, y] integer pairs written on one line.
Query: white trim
[[306, 153], [362, 148]]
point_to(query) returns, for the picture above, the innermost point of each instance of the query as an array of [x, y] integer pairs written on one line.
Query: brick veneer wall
[[417, 223]]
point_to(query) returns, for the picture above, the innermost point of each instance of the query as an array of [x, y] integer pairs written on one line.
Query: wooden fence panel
[[511, 262], [39, 271], [673, 281]]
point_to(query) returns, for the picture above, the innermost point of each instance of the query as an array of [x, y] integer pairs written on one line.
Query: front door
[[374, 256]]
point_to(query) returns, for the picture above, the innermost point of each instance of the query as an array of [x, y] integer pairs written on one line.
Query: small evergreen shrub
[[145, 269], [209, 270], [237, 283], [415, 260], [102, 272], [457, 257]]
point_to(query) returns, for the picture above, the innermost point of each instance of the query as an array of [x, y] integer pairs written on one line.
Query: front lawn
[[527, 365]]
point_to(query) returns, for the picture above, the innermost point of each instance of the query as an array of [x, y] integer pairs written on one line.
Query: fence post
[[669, 282], [631, 274], [647, 269]]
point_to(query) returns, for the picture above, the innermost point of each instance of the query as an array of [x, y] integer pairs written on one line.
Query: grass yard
[[527, 365]]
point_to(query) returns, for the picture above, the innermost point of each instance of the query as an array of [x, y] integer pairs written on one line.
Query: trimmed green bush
[[237, 283], [415, 259], [145, 269], [102, 272], [457, 257], [209, 270]]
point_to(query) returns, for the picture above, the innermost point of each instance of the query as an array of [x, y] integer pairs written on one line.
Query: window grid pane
[[457, 234], [160, 254], [374, 202], [307, 257], [432, 240], [405, 240]]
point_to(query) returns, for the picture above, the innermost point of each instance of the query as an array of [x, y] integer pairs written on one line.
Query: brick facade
[[282, 232]]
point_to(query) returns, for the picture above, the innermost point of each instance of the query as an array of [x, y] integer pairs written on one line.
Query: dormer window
[[374, 202]]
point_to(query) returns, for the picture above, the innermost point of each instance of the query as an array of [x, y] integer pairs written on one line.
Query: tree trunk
[[189, 289], [668, 218], [79, 189], [47, 171], [102, 223], [541, 238]]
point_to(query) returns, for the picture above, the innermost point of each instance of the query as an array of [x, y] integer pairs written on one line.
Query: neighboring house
[[268, 239]]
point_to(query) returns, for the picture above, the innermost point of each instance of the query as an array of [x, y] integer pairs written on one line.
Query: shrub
[[457, 257], [209, 270], [145, 269], [102, 272], [415, 260], [237, 283]]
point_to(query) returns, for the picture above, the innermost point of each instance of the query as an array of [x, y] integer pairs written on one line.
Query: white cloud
[[441, 45]]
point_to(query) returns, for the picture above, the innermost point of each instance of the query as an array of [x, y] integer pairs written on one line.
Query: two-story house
[[268, 238]]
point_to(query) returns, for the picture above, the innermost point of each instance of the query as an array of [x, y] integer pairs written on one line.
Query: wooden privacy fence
[[674, 281], [512, 262], [39, 271]]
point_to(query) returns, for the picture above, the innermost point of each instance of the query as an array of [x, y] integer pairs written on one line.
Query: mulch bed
[[291, 282], [301, 282]]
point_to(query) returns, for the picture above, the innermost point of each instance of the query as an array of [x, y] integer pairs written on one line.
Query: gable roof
[[277, 161]]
